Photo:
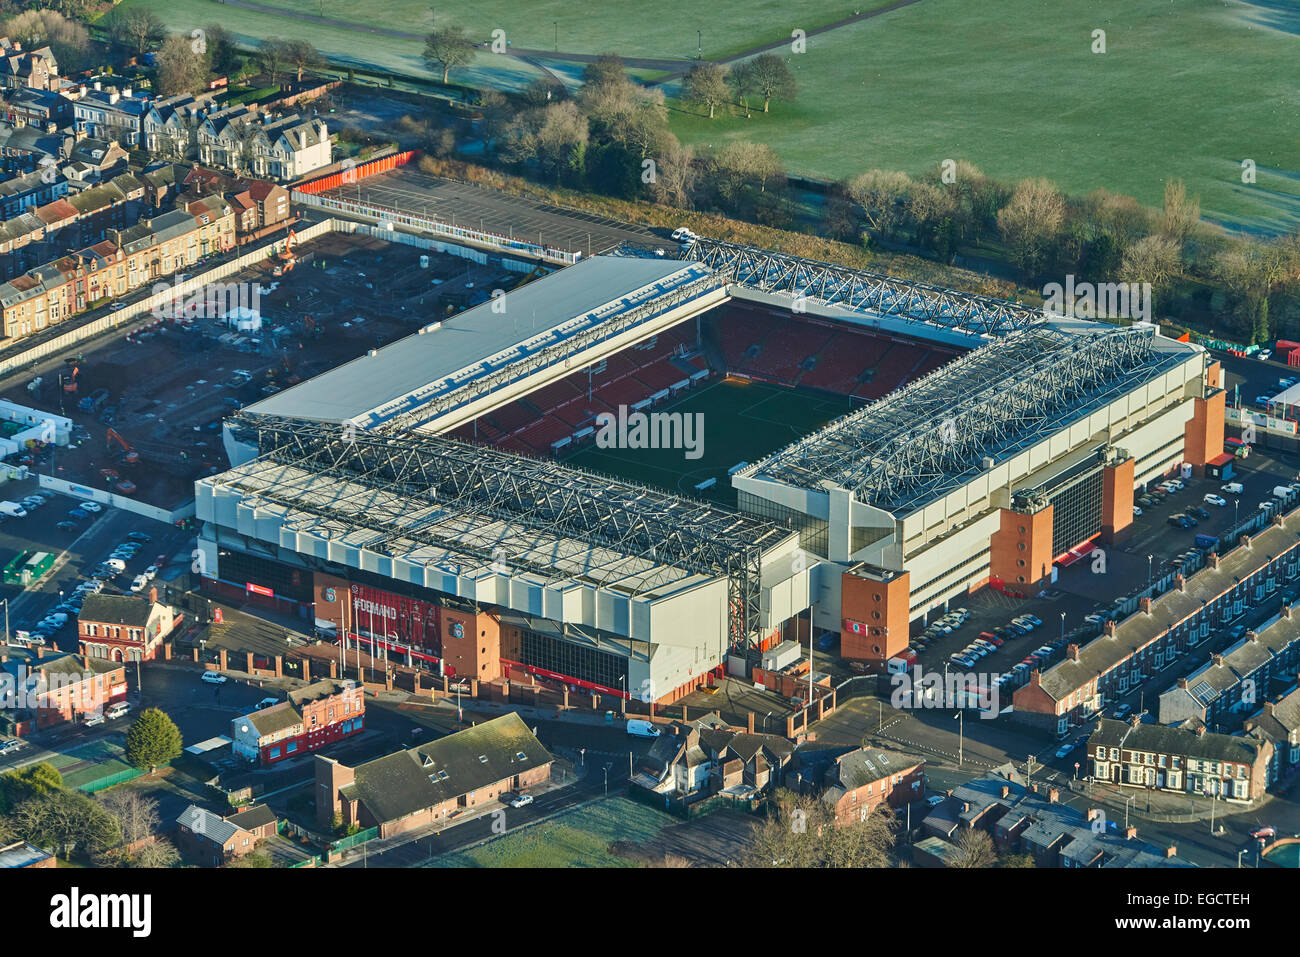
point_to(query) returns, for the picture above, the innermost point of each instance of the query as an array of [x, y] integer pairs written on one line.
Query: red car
[[1262, 833]]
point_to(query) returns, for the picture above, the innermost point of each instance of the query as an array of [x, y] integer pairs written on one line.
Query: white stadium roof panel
[[448, 353]]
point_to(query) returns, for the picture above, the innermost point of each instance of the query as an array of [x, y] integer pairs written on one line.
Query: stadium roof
[[461, 508], [443, 357], [933, 434]]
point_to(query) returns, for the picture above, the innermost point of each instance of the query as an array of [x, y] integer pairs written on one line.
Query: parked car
[[1198, 512], [93, 719], [117, 710], [12, 745], [212, 678], [1123, 711], [1065, 749], [78, 514], [1215, 499], [522, 800], [139, 583], [934, 800], [1263, 833], [139, 537], [92, 506], [1137, 510], [66, 526]]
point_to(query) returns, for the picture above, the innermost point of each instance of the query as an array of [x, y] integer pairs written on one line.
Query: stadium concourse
[[423, 497]]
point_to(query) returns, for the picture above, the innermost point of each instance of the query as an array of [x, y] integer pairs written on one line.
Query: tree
[[974, 849], [273, 58], [933, 211], [137, 29], [67, 39], [773, 78], [1181, 214], [674, 182], [606, 70], [706, 84], [159, 852], [497, 114], [447, 48], [64, 818], [1031, 225], [744, 82], [35, 780], [1019, 860], [1250, 272], [152, 740], [881, 194], [1152, 259], [554, 137], [179, 68], [136, 814], [301, 55], [801, 832], [222, 51]]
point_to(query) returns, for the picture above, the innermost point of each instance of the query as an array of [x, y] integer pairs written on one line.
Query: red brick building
[[314, 716], [50, 688], [212, 840], [860, 781], [433, 782], [124, 627]]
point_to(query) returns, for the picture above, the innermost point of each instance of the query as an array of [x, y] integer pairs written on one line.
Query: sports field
[[1185, 90], [742, 422], [90, 762], [577, 838]]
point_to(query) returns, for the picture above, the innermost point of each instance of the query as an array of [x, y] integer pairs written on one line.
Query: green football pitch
[[742, 422]]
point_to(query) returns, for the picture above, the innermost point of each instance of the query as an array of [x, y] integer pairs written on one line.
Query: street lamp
[[699, 44], [557, 35], [960, 718], [1062, 627], [1149, 559]]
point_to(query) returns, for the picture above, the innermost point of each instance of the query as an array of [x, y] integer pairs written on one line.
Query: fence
[[428, 224], [688, 810], [348, 176], [117, 501], [353, 840], [90, 787]]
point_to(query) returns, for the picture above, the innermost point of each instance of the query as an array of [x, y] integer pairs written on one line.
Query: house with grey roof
[[1199, 762], [1025, 818], [440, 782], [706, 756], [1278, 723], [212, 841], [1233, 682]]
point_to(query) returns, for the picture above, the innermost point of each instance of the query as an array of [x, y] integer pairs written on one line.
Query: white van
[[641, 729], [115, 563], [1234, 488]]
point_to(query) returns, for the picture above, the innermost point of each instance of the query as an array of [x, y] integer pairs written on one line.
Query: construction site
[[147, 402]]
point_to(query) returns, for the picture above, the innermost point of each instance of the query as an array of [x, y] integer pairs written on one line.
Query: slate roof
[[208, 825], [1159, 739], [1139, 630], [864, 766], [272, 720], [317, 690], [116, 610], [408, 781], [253, 817]]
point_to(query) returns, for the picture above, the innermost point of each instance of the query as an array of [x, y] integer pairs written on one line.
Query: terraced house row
[[127, 259], [1162, 630]]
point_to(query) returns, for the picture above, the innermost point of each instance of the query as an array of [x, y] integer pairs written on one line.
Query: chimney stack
[[40, 651], [1252, 635], [1218, 660], [1200, 731], [1182, 683], [1144, 605], [1006, 791], [1130, 833], [1213, 560], [1053, 795], [1072, 652], [1171, 851], [1108, 629], [1180, 583]]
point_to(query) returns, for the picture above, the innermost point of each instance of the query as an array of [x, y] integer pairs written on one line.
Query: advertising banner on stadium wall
[[373, 611]]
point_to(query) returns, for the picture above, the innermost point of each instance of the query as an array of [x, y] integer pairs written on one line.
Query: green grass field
[[90, 762], [743, 422], [578, 838], [1184, 91]]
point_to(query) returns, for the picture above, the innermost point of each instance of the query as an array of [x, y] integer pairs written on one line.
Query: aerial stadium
[[872, 450]]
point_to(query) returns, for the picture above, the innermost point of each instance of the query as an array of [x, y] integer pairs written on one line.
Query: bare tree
[[801, 832], [301, 55], [273, 58], [159, 852], [180, 69], [974, 849], [447, 48], [135, 813], [1181, 213], [1031, 225], [137, 29], [882, 194], [706, 84], [674, 181], [773, 78]]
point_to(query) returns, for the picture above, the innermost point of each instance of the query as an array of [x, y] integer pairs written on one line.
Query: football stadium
[[636, 472]]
